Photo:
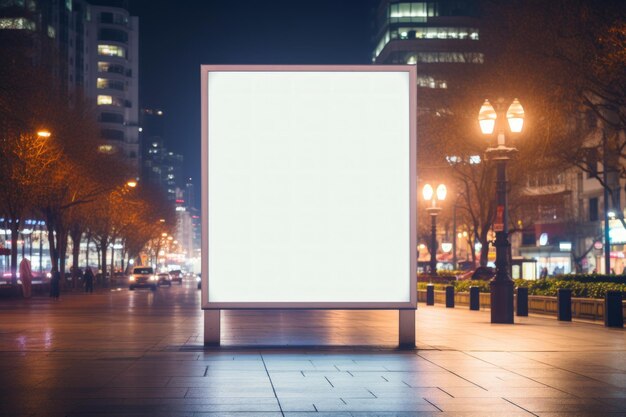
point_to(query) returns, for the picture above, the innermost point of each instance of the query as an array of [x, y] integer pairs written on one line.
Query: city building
[[160, 166], [436, 36], [112, 76], [91, 49]]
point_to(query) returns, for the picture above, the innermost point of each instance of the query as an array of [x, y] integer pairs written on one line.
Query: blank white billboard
[[308, 187]]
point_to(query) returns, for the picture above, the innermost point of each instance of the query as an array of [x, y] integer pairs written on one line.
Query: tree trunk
[[54, 258], [61, 237], [112, 257], [484, 250], [87, 250], [104, 245], [14, 230], [76, 236]]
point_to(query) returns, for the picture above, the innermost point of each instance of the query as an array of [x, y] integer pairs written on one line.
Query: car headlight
[[131, 278], [153, 278]]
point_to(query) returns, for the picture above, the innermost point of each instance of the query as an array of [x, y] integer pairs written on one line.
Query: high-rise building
[[112, 69], [436, 36], [89, 48]]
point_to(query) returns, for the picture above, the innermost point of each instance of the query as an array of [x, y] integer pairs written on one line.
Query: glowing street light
[[502, 284], [44, 133], [428, 193]]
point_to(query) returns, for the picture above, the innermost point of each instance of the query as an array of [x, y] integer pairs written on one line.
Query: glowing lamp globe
[[515, 116], [487, 118]]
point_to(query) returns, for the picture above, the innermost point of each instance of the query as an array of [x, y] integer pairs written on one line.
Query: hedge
[[548, 287]]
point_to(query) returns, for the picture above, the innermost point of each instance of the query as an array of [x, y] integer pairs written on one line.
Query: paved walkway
[[121, 353]]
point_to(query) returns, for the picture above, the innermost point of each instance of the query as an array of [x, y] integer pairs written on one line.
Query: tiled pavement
[[120, 353]]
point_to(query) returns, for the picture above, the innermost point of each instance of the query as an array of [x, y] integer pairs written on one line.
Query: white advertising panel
[[308, 193]]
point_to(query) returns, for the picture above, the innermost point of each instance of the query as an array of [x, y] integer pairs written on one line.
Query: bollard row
[[613, 310]]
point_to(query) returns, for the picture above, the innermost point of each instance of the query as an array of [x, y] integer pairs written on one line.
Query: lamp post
[[433, 210], [502, 284]]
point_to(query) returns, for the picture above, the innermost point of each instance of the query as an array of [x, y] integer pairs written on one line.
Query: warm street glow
[[487, 118], [427, 192], [441, 192], [44, 133], [132, 183], [515, 116]]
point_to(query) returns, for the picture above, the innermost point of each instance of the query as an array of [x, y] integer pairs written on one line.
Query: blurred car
[[177, 275], [164, 278], [119, 278], [482, 273], [142, 277]]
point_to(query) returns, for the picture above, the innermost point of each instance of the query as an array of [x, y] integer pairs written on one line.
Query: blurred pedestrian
[[26, 276], [89, 280], [55, 282], [544, 273]]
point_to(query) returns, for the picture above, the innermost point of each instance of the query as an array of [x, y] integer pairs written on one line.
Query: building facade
[[435, 36], [91, 50]]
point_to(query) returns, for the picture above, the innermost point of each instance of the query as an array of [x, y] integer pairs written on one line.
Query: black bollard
[[430, 295], [450, 296], [613, 310], [474, 298], [522, 301], [564, 301]]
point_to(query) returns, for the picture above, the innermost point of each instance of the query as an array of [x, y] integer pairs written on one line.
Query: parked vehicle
[[142, 277], [177, 275], [119, 278], [164, 279]]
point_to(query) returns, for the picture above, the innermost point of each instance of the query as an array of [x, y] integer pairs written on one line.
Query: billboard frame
[[412, 97]]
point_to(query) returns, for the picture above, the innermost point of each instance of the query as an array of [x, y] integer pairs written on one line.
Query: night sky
[[177, 37]]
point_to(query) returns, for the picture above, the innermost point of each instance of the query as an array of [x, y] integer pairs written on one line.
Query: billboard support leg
[[211, 327], [407, 328]]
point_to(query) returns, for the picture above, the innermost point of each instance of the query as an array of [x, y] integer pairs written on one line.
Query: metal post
[[564, 301], [430, 295], [449, 296], [502, 284], [613, 309], [406, 328], [454, 258], [474, 298], [607, 236], [433, 244], [211, 327], [40, 248]]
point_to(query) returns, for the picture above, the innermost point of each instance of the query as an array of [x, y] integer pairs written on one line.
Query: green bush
[[616, 279], [547, 287]]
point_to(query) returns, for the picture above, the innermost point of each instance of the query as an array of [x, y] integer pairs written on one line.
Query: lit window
[[112, 50], [426, 81], [474, 159], [105, 100], [105, 148], [449, 57], [112, 84], [453, 159], [110, 67], [17, 23], [410, 32], [52, 33]]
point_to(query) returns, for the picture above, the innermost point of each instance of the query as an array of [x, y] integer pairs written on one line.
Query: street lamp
[[44, 133], [433, 210], [502, 284]]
